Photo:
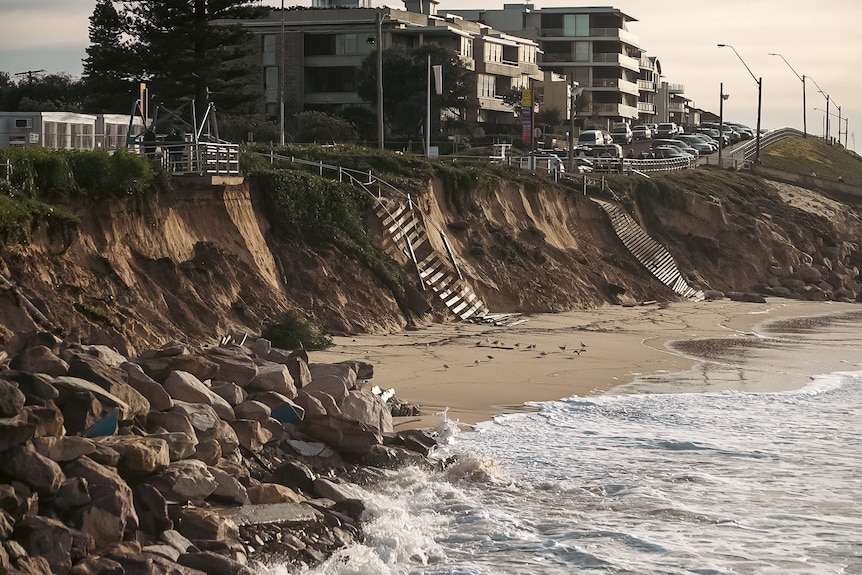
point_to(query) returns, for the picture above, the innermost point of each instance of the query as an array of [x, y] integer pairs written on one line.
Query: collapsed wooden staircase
[[649, 252], [405, 234]]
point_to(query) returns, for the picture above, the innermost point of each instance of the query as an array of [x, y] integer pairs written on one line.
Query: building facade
[[312, 57], [590, 45], [67, 130]]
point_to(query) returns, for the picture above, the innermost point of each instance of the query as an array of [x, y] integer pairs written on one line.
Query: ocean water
[[714, 482]]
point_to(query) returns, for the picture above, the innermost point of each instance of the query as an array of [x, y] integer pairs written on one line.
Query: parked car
[[744, 131], [714, 134], [697, 143], [641, 132], [591, 138], [670, 153], [684, 146], [608, 151], [621, 134], [665, 130]]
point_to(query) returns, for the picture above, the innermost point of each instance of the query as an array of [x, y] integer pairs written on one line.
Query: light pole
[[802, 77], [721, 98], [840, 119], [825, 95], [281, 83], [759, 98], [378, 41]]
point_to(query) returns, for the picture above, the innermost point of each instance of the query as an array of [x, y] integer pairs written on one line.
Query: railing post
[[320, 169], [271, 157]]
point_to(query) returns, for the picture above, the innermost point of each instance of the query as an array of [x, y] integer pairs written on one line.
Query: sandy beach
[[478, 370]]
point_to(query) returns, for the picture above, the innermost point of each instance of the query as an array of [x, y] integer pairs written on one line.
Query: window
[[576, 25], [486, 86], [466, 47], [493, 52], [270, 84], [351, 44], [582, 51], [269, 48]]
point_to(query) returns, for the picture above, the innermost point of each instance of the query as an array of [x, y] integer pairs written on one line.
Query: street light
[[802, 77], [825, 95], [759, 98], [846, 124], [378, 41], [721, 98], [281, 83]]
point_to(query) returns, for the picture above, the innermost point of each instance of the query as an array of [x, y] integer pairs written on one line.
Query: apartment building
[[314, 55], [649, 85], [67, 130]]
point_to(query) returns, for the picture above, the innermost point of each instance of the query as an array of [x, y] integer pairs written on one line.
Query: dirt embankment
[[202, 262]]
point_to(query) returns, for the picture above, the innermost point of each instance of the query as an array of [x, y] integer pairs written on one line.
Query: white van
[[591, 138]]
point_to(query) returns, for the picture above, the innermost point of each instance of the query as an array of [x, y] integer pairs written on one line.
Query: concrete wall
[[839, 190]]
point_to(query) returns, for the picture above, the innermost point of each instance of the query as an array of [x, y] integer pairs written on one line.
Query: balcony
[[646, 86], [676, 107], [614, 110], [495, 105], [602, 33], [676, 88], [510, 69], [345, 98], [646, 108]]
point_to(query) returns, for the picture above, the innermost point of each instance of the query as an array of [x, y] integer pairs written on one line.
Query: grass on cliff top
[[812, 155]]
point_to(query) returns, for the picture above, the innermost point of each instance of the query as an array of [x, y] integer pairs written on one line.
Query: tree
[[405, 77], [111, 68], [321, 127], [52, 92], [186, 48]]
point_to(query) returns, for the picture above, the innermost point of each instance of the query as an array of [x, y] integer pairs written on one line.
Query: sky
[[821, 40]]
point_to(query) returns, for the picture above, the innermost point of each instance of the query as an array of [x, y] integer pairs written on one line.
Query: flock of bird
[[578, 350]]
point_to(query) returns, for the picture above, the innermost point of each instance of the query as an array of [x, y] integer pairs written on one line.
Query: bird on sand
[[445, 366], [476, 362], [583, 345], [563, 347], [490, 357], [543, 353]]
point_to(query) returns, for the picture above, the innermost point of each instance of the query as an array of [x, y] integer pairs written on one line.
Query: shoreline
[[477, 371]]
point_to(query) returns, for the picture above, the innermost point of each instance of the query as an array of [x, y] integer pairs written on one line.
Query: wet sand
[[478, 371]]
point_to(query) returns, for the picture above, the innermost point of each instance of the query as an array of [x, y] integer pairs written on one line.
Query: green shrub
[[292, 331], [20, 215]]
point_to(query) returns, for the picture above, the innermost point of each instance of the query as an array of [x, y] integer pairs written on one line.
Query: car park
[[697, 143], [607, 151], [714, 134], [668, 152], [641, 132]]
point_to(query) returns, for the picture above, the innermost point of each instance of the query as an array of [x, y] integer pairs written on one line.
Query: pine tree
[[111, 68], [188, 49]]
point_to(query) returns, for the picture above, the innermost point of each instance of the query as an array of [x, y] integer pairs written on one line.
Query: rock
[[208, 451], [273, 377], [334, 379], [96, 565], [250, 434], [295, 475], [260, 346], [213, 563], [31, 566], [105, 354], [11, 399], [184, 386], [73, 493], [180, 445], [229, 490], [252, 410], [275, 429], [48, 419], [14, 431], [160, 368], [174, 421], [36, 385], [336, 491], [230, 392], [224, 434], [80, 411], [233, 365], [111, 379], [186, 480], [267, 493], [152, 509], [165, 551], [196, 523], [391, 457], [367, 408], [311, 406], [176, 540], [202, 416], [111, 511], [7, 523], [160, 400], [50, 539], [62, 449], [344, 434], [39, 359], [421, 441], [362, 369], [150, 564], [26, 465], [68, 386], [328, 402], [138, 455]]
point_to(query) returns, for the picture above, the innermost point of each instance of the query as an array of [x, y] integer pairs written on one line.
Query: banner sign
[[527, 116]]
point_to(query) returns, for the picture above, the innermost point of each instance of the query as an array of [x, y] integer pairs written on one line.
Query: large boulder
[[14, 431], [139, 456], [250, 434], [186, 480], [111, 511], [273, 377], [160, 400], [180, 445], [54, 541], [172, 422], [47, 418], [252, 409], [34, 385], [196, 523], [334, 379], [228, 490], [63, 449], [152, 509], [184, 386], [111, 379], [11, 399], [233, 365], [24, 464], [345, 435], [39, 359], [69, 386], [367, 408]]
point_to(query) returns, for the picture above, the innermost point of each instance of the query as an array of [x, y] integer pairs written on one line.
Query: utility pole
[[721, 98], [281, 83], [29, 74]]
